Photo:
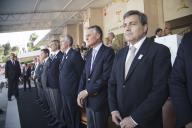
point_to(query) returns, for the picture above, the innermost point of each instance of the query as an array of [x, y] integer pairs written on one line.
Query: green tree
[[7, 48], [14, 49], [30, 44], [1, 50]]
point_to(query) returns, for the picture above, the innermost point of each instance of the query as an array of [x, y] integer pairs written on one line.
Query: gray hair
[[68, 39], [142, 16]]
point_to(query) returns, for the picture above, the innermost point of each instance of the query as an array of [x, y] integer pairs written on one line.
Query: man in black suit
[[94, 80], [53, 81], [71, 68], [26, 76], [181, 84], [138, 86], [12, 73]]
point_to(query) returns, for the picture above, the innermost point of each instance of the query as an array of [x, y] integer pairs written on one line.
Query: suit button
[[123, 86], [88, 79]]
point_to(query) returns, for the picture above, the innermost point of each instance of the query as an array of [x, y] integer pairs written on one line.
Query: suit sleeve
[[178, 89], [78, 64], [112, 88], [102, 81], [159, 92], [82, 81], [6, 70], [19, 70]]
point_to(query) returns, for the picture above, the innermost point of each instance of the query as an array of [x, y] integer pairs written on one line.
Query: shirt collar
[[138, 44], [67, 50], [55, 53], [46, 59], [98, 47]]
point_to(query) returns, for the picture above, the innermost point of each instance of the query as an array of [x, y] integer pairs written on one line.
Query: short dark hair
[[158, 30], [45, 50], [142, 16], [58, 43], [98, 30]]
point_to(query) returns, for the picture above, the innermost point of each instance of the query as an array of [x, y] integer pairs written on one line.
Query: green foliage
[[1, 50], [14, 49], [7, 48], [30, 44], [5, 51], [33, 37]]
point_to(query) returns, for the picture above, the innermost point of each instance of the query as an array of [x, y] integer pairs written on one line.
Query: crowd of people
[[131, 83]]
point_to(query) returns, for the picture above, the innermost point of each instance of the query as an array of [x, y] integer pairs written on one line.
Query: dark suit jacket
[[53, 71], [96, 82], [181, 82], [28, 72], [12, 71], [38, 72], [70, 72], [44, 73], [142, 94], [153, 38]]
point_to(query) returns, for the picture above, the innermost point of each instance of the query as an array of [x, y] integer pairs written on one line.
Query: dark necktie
[[13, 62]]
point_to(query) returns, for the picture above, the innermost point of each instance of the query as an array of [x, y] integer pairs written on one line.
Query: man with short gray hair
[[70, 71], [94, 80]]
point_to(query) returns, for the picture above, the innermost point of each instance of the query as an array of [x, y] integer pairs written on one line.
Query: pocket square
[[140, 56]]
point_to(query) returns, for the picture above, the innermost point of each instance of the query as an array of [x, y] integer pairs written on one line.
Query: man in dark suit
[[12, 73], [138, 86], [94, 80], [71, 68], [26, 76], [37, 79], [53, 81], [181, 84], [44, 73]]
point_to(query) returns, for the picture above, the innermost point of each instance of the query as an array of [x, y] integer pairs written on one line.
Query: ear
[[145, 28], [98, 35]]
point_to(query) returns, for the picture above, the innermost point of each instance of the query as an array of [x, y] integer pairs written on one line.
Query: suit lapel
[[98, 56], [122, 67], [66, 58], [139, 56]]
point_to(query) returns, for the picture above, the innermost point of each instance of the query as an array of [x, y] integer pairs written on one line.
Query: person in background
[[181, 84], [27, 76], [113, 42], [158, 33], [12, 73], [167, 31]]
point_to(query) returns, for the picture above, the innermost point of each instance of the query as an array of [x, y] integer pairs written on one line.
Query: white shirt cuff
[[134, 121]]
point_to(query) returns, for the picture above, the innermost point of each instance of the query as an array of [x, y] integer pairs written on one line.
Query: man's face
[[110, 37], [92, 37], [63, 44], [53, 46], [43, 55], [167, 31], [160, 33], [133, 29]]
